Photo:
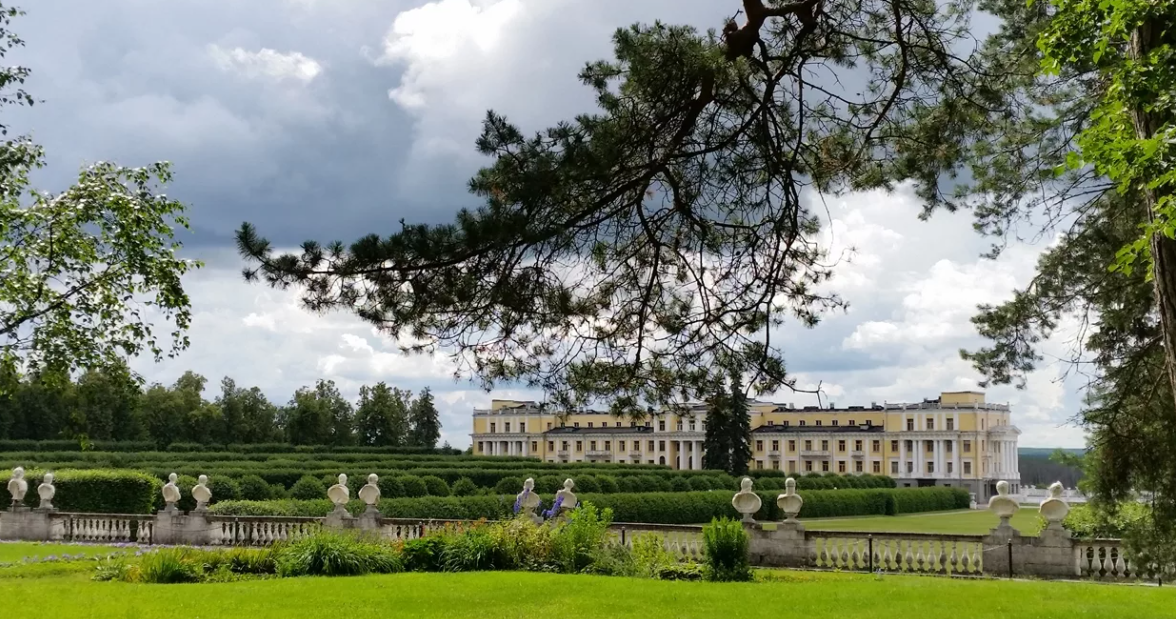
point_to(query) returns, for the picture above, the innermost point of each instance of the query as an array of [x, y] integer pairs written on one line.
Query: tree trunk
[[1163, 249]]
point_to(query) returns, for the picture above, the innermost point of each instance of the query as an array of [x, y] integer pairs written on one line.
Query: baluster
[[1107, 564], [908, 557], [953, 566], [920, 560], [887, 556], [941, 566], [1120, 564], [855, 556]]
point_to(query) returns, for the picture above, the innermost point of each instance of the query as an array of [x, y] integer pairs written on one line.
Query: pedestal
[[777, 544], [22, 523]]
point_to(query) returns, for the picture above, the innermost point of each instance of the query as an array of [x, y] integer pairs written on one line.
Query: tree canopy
[[82, 270], [639, 252]]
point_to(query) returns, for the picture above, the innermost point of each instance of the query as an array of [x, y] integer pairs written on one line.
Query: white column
[[698, 447], [901, 457]]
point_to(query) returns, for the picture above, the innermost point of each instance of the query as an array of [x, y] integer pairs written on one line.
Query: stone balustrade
[[1001, 552]]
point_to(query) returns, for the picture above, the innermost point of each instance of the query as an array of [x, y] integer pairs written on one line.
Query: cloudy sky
[[329, 119]]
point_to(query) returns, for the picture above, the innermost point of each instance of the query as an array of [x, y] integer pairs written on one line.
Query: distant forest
[[1038, 469]]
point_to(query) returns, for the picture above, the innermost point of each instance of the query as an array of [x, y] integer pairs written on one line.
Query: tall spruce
[[717, 444], [424, 420], [738, 426]]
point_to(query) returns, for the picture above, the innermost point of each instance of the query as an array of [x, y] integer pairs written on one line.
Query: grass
[[965, 522], [503, 594], [16, 551]]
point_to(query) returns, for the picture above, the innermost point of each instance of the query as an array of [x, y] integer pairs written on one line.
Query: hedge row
[[98, 491], [141, 446], [660, 508]]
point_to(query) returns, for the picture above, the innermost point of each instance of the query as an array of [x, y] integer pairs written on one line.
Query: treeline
[[111, 406]]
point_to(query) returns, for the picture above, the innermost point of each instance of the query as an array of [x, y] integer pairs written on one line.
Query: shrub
[[549, 484], [390, 487], [577, 539], [509, 485], [608, 484], [335, 554], [650, 556], [223, 488], [425, 554], [170, 566], [414, 486], [254, 488], [701, 483], [586, 483], [680, 484], [308, 488], [625, 483], [278, 491], [472, 550], [435, 486], [725, 546], [464, 487]]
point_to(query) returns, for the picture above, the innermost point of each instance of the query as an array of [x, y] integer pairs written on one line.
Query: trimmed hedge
[[99, 491], [659, 508]]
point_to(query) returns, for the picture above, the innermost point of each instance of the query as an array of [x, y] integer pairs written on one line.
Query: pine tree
[[717, 446], [738, 427], [425, 421]]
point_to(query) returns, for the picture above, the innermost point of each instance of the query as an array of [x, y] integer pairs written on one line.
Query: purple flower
[[554, 508]]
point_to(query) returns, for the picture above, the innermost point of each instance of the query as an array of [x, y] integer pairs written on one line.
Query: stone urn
[[1003, 505], [526, 502], [47, 491], [202, 493], [1054, 509], [745, 501], [370, 493], [340, 494], [18, 486], [171, 494], [789, 502]]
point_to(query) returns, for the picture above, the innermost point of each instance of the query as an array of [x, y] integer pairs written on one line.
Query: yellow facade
[[956, 439]]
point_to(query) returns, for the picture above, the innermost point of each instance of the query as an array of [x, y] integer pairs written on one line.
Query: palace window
[[930, 467], [950, 467], [589, 424], [650, 447], [564, 445], [802, 423], [857, 466], [491, 427], [480, 447], [679, 426], [616, 426], [835, 422], [852, 422], [841, 466], [792, 446], [776, 465], [818, 423], [877, 467], [967, 468], [894, 446], [894, 468], [759, 445], [841, 445], [876, 446], [661, 445], [824, 445], [808, 445], [534, 445], [951, 423], [947, 446], [824, 466], [967, 446], [785, 423], [579, 446], [929, 446], [771, 423], [910, 467], [857, 445], [506, 427], [550, 445], [661, 425], [930, 423], [608, 445], [808, 466], [548, 425], [620, 445], [575, 424], [910, 446], [792, 466], [910, 425], [775, 445]]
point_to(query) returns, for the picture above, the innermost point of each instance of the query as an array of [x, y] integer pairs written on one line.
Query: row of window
[[859, 467], [661, 425], [875, 446]]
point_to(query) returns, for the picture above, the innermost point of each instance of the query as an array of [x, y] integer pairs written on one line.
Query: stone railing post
[[1051, 554], [340, 494], [779, 544], [369, 520], [1003, 546], [173, 526]]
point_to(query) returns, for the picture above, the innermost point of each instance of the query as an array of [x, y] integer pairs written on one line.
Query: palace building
[[956, 439]]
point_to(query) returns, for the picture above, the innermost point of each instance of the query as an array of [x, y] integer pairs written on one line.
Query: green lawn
[[16, 551], [502, 594], [965, 522]]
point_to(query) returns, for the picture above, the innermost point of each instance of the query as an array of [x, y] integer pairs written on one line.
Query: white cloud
[[266, 63]]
